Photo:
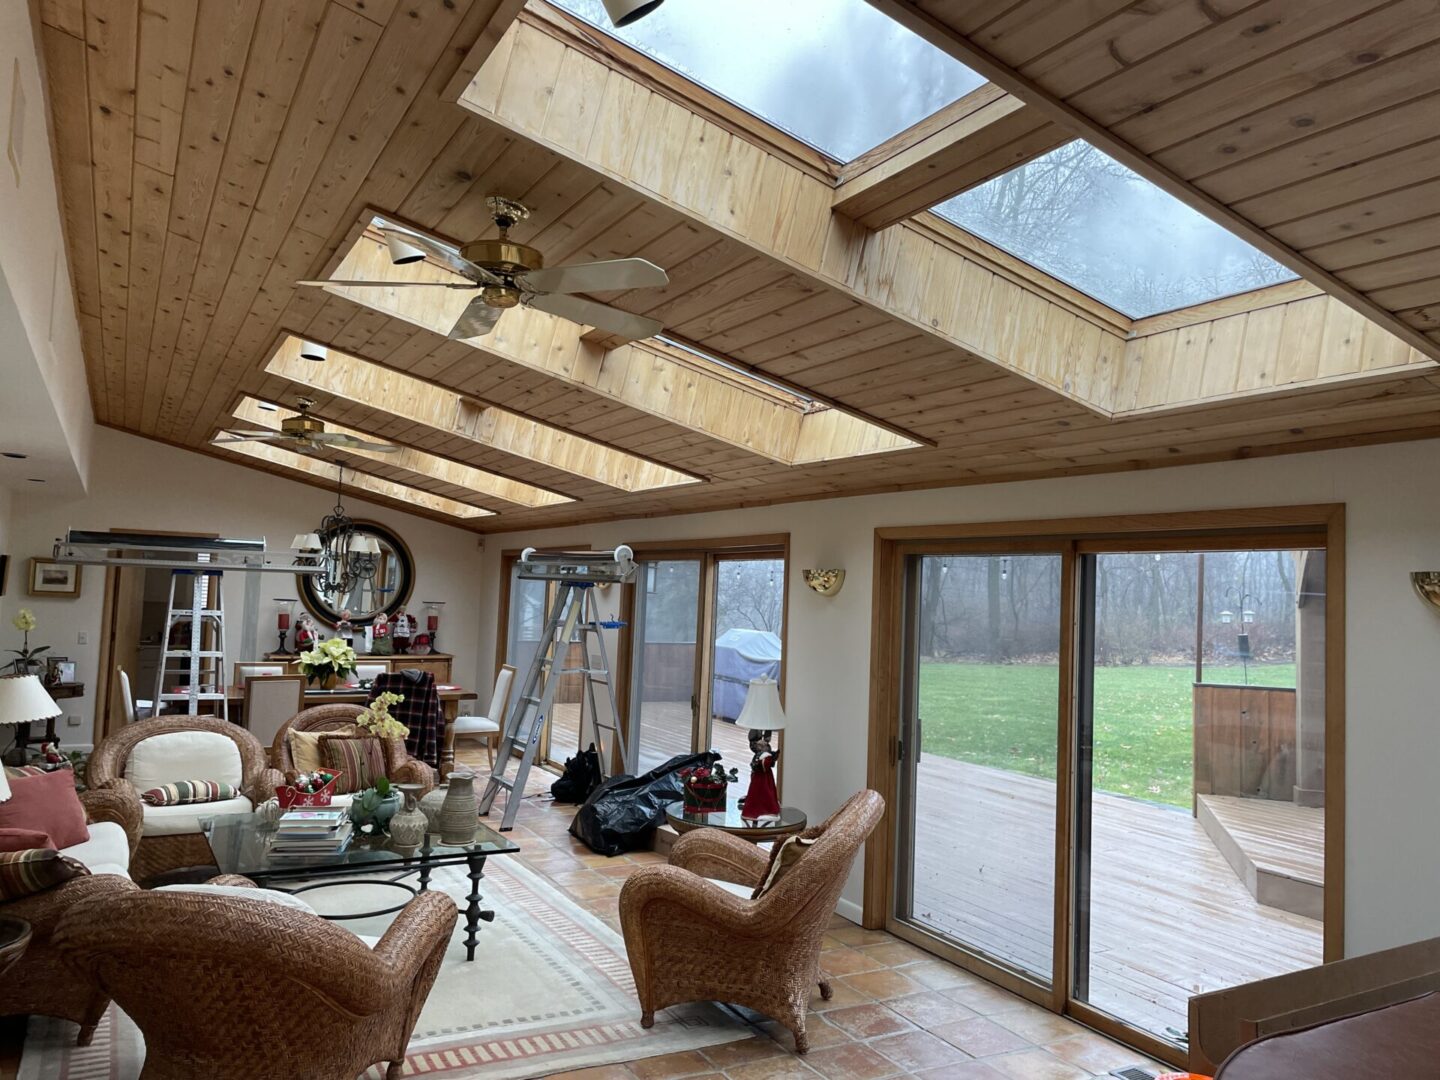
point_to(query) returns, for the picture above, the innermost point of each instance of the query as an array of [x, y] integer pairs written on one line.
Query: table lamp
[[762, 715], [23, 699]]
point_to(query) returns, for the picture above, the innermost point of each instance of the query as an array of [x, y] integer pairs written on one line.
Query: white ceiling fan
[[506, 274], [306, 435]]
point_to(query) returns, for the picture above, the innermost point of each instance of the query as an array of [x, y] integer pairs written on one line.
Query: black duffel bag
[[580, 778], [622, 813]]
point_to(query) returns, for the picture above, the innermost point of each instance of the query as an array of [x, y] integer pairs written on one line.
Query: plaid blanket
[[421, 711]]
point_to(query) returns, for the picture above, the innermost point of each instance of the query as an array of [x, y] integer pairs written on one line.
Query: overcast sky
[[837, 73]]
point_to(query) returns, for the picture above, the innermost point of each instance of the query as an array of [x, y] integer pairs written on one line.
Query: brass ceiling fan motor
[[503, 256]]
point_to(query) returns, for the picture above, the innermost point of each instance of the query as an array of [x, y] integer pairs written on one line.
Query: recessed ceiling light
[[267, 406], [15, 454], [310, 350]]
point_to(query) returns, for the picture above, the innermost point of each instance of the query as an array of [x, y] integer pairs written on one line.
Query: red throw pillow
[[24, 840], [46, 803]]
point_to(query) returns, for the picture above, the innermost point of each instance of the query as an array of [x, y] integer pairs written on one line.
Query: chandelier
[[347, 556]]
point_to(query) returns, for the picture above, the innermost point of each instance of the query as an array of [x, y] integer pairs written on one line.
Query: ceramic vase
[[460, 812], [382, 814], [408, 827], [267, 814], [430, 804]]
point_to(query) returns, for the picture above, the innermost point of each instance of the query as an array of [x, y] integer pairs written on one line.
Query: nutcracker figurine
[[402, 630]]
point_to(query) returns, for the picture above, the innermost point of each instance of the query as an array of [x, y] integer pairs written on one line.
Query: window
[[837, 74], [1091, 222]]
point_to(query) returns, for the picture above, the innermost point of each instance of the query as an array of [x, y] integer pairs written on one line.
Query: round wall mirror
[[381, 582]]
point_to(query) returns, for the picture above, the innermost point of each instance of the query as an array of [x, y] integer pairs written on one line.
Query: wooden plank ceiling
[[1310, 126], [213, 153]]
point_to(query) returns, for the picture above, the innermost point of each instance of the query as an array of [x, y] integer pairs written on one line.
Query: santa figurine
[[50, 754], [382, 643], [345, 629], [305, 633], [403, 628], [762, 800]]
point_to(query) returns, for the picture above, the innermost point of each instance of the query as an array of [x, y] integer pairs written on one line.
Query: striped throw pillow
[[188, 791], [23, 873], [359, 760]]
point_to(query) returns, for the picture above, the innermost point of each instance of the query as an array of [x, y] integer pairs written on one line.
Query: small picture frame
[[50, 578], [59, 669]]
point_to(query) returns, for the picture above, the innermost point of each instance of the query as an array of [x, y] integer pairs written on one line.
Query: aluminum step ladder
[[199, 656], [572, 613]]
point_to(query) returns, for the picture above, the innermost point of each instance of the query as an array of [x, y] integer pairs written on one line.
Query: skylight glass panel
[[1088, 220], [837, 74]]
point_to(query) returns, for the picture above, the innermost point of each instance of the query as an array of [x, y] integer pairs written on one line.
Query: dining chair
[[369, 671], [134, 710], [270, 701], [489, 726], [244, 669]]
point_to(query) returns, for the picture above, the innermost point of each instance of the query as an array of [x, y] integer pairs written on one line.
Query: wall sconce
[[1427, 586], [824, 582]]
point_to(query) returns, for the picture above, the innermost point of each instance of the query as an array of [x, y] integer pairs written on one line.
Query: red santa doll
[[762, 800]]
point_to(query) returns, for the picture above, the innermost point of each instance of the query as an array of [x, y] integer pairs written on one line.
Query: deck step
[[1277, 849]]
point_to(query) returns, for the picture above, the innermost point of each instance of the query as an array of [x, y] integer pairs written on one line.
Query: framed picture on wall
[[49, 578]]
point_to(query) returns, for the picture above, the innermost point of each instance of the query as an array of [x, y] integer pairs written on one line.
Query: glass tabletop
[[789, 818], [240, 846]]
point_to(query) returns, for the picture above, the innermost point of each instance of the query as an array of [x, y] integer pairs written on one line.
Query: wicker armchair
[[400, 767], [41, 982], [167, 850], [236, 989], [690, 940]]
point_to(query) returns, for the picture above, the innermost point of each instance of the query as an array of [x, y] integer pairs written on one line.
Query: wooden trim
[[1271, 296], [655, 76], [909, 14], [1302, 526], [506, 12], [729, 545]]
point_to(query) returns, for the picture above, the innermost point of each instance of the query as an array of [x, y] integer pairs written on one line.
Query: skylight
[[1089, 221], [838, 74]]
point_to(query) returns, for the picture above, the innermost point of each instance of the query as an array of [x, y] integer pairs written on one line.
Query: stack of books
[[319, 830]]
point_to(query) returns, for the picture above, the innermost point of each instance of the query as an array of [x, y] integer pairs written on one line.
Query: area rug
[[549, 991]]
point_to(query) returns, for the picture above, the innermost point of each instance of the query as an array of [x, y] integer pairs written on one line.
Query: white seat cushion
[[184, 755], [271, 896], [475, 725], [108, 846], [110, 868], [742, 891], [185, 818]]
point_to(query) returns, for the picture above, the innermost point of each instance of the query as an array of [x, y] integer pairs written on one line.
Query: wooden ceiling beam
[[985, 133]]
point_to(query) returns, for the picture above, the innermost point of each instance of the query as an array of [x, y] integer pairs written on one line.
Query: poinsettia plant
[[331, 659], [376, 719]]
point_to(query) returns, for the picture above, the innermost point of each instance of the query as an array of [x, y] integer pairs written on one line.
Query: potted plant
[[26, 664], [372, 809], [705, 787], [328, 663]]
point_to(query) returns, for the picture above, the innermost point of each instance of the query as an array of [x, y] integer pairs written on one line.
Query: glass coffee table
[[241, 847], [788, 822]]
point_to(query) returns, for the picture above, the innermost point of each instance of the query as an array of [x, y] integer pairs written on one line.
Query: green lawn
[[1004, 715]]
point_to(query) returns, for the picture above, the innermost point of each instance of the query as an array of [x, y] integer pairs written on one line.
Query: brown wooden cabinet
[[441, 665]]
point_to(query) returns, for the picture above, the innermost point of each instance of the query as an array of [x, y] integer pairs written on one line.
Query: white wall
[[1392, 868], [139, 484]]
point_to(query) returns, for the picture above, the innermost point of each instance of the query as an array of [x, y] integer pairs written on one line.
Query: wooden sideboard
[[441, 665]]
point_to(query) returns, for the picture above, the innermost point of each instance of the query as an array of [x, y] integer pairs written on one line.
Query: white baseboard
[[851, 910]]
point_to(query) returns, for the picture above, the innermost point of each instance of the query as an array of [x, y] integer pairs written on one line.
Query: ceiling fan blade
[[477, 320], [395, 284], [606, 276], [341, 441], [447, 256], [249, 436], [593, 313]]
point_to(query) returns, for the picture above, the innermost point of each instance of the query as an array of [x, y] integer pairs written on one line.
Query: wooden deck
[[1169, 918], [1277, 849], [665, 727]]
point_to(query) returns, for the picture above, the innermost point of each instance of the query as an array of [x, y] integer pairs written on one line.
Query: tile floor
[[897, 1011]]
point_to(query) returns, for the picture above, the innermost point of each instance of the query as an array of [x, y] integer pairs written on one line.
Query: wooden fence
[[1245, 741]]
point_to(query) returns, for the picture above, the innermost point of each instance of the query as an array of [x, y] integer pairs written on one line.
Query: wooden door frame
[[1321, 525]]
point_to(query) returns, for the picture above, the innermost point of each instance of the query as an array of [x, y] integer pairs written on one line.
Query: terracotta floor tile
[[728, 1055], [847, 961], [670, 1066], [930, 1009], [986, 999], [883, 984], [1095, 1053], [982, 1038], [819, 1030], [851, 1061], [962, 1070], [895, 953], [938, 975], [1036, 1065], [1038, 1025], [918, 1050], [869, 1021], [599, 1072], [851, 934], [788, 1067], [840, 997]]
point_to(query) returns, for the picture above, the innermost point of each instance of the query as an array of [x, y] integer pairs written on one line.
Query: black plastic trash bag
[[622, 813], [580, 779]]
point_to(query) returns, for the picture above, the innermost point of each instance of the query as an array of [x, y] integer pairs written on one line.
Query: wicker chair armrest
[[43, 910], [421, 925], [263, 785], [235, 881], [411, 771], [712, 853], [119, 803], [710, 904]]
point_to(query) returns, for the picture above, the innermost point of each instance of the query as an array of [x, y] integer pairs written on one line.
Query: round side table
[[14, 938], [756, 830]]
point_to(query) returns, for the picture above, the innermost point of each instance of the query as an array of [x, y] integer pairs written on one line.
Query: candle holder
[[432, 621], [283, 618]]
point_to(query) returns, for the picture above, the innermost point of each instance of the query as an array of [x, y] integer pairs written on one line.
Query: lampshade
[[306, 542], [625, 12], [762, 711], [365, 545], [313, 350], [23, 699]]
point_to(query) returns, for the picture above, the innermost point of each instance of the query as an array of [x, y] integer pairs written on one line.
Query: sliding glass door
[[979, 754], [665, 655], [745, 643]]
